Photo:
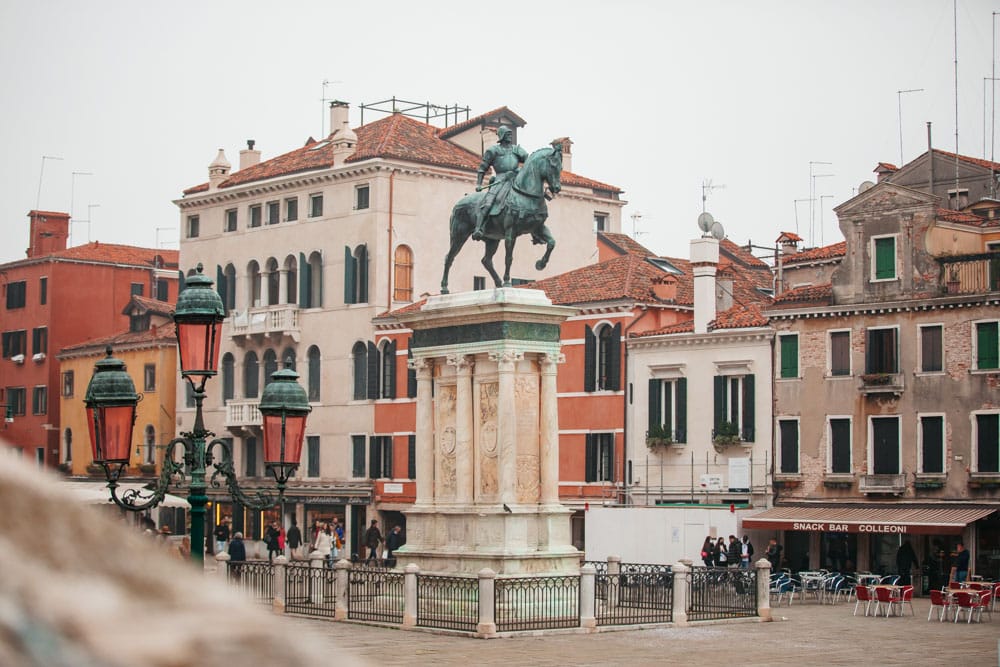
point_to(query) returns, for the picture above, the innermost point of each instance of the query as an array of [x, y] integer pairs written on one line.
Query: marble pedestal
[[487, 441]]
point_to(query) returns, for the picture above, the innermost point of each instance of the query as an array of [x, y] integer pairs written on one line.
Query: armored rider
[[506, 158]]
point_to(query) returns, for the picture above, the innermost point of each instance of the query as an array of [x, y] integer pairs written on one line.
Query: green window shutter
[[614, 359], [932, 444], [719, 387], [668, 408], [589, 359], [374, 457], [885, 258], [590, 461], [748, 408], [986, 345], [840, 445], [362, 274], [411, 373], [388, 457], [988, 443], [373, 369], [350, 290], [411, 456], [390, 391], [358, 460], [304, 281], [608, 454], [789, 430], [789, 356], [681, 417], [654, 403], [220, 283]]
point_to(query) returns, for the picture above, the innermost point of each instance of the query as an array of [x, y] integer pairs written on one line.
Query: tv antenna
[[322, 102], [38, 198], [706, 187], [636, 217], [161, 244]]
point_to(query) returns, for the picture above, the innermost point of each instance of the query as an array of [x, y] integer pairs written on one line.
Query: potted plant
[[876, 379], [728, 433], [658, 436]]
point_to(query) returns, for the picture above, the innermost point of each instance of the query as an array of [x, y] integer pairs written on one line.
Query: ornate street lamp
[[111, 401]]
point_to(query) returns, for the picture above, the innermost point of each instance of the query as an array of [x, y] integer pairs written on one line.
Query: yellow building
[[149, 351]]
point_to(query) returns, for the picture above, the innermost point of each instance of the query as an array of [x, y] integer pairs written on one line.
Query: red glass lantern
[[111, 401], [284, 407], [198, 320]]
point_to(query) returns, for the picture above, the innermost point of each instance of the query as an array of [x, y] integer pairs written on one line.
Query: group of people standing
[[735, 553]]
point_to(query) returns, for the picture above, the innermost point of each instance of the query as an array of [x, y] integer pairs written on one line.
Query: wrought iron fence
[[310, 591], [375, 594], [643, 595], [253, 577], [600, 565], [447, 602], [715, 592], [537, 603]]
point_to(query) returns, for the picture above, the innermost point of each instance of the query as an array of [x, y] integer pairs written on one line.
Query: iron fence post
[[316, 561], [222, 566], [763, 589], [680, 603], [588, 618], [340, 589], [410, 573], [278, 585], [487, 626]]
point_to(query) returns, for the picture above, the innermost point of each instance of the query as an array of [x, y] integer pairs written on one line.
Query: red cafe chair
[[941, 602]]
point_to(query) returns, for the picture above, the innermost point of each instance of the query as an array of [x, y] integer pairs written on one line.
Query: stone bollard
[[764, 589], [222, 566], [278, 585], [316, 562], [341, 570], [588, 617], [614, 580], [680, 603], [487, 626], [410, 573]]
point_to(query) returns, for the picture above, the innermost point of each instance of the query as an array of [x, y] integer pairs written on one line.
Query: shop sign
[[830, 527], [392, 487], [330, 500]]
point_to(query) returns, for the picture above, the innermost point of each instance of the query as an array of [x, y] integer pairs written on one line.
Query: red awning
[[876, 519]]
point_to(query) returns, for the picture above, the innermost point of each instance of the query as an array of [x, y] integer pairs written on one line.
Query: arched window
[[314, 371], [270, 365], [356, 274], [228, 386], [602, 354], [387, 379], [291, 280], [316, 280], [230, 299], [272, 282], [403, 274], [359, 355], [149, 441], [251, 375], [253, 284], [68, 445]]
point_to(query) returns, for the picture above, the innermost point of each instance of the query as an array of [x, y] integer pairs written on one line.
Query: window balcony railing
[[970, 274], [243, 413], [882, 484], [882, 383], [281, 319]]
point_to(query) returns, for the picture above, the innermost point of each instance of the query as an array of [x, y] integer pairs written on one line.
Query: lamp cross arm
[[137, 500], [224, 468]]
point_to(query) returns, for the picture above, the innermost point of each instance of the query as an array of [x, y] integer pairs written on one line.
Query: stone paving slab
[[808, 633]]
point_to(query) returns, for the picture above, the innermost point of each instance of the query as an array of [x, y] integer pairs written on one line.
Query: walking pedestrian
[[373, 538], [746, 553], [774, 554], [707, 551], [294, 539]]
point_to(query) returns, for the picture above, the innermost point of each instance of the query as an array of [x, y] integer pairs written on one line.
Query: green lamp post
[[111, 401]]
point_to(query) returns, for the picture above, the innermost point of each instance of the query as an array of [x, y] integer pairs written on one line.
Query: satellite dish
[[705, 221], [865, 185], [717, 231]]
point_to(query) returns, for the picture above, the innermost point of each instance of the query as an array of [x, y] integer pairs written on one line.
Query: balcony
[[241, 414], [894, 484], [970, 274], [882, 383], [279, 320]]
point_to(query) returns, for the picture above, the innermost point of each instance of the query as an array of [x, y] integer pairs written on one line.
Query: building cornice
[[713, 338], [916, 305]]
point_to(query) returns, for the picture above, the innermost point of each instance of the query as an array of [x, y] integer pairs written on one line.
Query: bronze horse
[[524, 212]]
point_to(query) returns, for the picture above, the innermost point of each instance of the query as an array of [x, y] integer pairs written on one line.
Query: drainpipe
[[930, 157], [391, 262], [625, 403]]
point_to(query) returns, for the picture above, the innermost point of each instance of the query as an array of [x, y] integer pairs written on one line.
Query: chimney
[[724, 290], [665, 288], [342, 137], [48, 232], [248, 156], [218, 171], [338, 115], [704, 257], [567, 150]]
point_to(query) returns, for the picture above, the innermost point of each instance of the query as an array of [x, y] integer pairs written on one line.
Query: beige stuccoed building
[[307, 247]]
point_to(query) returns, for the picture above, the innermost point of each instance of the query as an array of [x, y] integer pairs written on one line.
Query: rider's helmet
[[503, 132]]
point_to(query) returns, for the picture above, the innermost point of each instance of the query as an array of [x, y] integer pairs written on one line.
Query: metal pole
[[196, 491], [899, 104]]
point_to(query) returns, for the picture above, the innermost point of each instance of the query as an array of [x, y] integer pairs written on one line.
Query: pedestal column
[[506, 425], [425, 432], [464, 478], [283, 286], [548, 430]]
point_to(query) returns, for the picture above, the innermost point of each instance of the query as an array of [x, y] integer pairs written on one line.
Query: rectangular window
[[291, 209], [193, 226], [668, 408], [600, 457], [788, 432], [600, 222], [840, 353], [249, 456], [361, 197], [884, 254], [931, 350], [16, 294], [162, 290], [40, 456], [380, 457], [357, 456], [986, 346], [14, 343], [411, 456], [734, 406], [149, 377], [231, 220], [67, 384], [885, 445], [931, 444], [43, 291], [315, 205], [881, 354], [840, 446], [478, 283], [15, 401], [312, 455], [988, 443], [789, 345], [39, 340], [273, 212], [256, 215], [40, 400], [136, 289]]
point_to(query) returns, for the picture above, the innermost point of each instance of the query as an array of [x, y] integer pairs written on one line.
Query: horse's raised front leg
[[490, 249], [550, 244], [508, 244]]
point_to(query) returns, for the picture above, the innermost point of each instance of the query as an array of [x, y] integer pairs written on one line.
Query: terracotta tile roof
[[403, 310], [986, 164], [452, 130], [885, 166], [817, 294], [788, 236], [740, 317], [741, 255], [828, 252], [145, 304], [164, 334], [111, 253], [396, 136], [625, 244], [680, 327], [628, 277], [962, 217]]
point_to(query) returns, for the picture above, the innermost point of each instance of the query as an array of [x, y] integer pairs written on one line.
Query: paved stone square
[[805, 632]]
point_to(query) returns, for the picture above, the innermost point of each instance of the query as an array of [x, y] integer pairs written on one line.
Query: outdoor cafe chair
[[939, 600], [986, 604], [906, 598], [862, 594], [993, 600], [888, 597], [969, 603], [954, 584], [890, 579]]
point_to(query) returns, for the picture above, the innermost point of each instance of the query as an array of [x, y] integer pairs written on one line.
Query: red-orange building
[[56, 297]]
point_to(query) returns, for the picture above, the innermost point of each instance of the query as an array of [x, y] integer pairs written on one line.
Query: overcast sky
[[658, 97]]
